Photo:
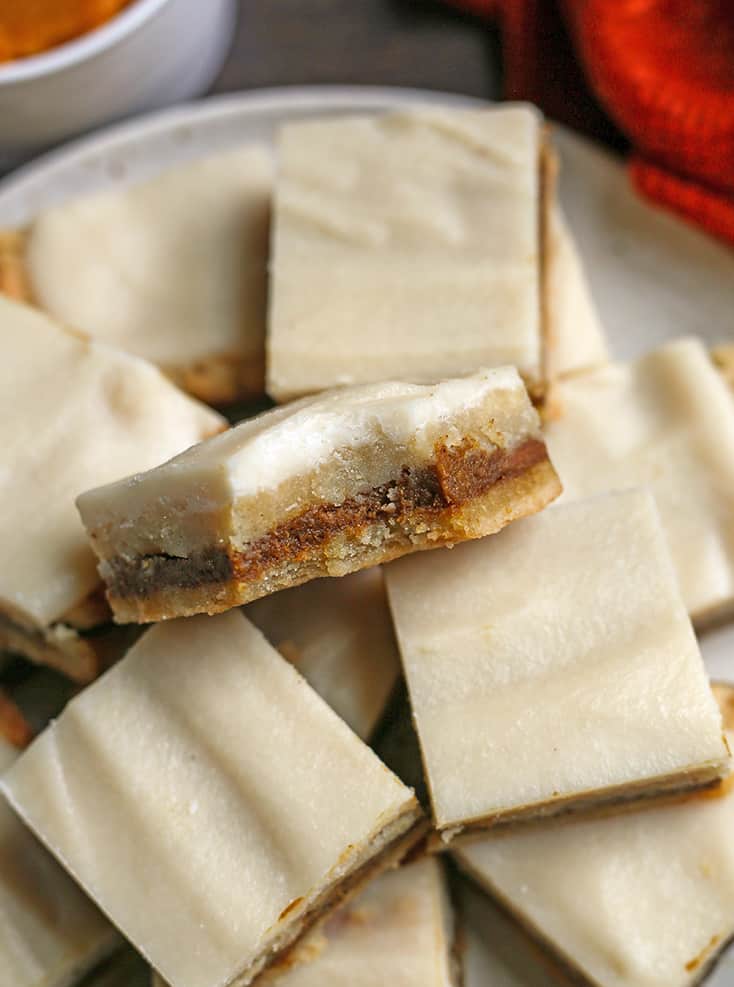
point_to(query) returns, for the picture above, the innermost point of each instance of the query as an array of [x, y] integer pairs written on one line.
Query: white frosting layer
[[641, 899], [172, 269], [666, 422], [199, 791], [553, 660], [263, 452], [50, 932], [73, 414], [405, 244], [338, 634]]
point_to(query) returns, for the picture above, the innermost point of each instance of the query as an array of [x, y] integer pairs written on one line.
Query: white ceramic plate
[[652, 276]]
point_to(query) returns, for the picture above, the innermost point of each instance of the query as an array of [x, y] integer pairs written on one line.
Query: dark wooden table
[[368, 42]]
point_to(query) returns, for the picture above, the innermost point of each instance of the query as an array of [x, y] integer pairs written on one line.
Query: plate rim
[[268, 100]]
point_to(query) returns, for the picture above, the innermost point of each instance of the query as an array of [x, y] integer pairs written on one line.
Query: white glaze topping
[[172, 269], [263, 452], [405, 243], [199, 791], [553, 661]]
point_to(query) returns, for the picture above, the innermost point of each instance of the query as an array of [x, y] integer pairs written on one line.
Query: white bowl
[[153, 53]]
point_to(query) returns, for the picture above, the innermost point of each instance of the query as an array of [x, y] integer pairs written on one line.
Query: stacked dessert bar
[[220, 795]]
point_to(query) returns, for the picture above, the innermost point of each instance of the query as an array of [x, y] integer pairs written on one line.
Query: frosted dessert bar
[[398, 930], [641, 898], [553, 668], [237, 808], [50, 933], [339, 635], [73, 414], [324, 486], [411, 243], [172, 269], [666, 422]]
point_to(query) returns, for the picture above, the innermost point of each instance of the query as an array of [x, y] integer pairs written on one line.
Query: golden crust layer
[[14, 279], [13, 725]]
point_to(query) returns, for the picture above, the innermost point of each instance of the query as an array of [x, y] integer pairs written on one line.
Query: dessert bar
[[73, 414], [411, 243], [324, 486], [553, 669], [203, 794], [642, 898], [172, 269]]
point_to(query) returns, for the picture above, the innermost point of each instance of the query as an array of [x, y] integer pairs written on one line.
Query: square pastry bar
[[644, 899], [398, 930], [51, 934], [412, 240], [339, 635], [73, 414], [553, 668], [665, 422], [203, 794], [172, 269], [324, 486]]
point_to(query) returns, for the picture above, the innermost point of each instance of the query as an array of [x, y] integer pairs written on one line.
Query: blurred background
[[376, 42], [654, 80]]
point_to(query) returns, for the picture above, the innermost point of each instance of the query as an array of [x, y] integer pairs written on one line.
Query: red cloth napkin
[[663, 71]]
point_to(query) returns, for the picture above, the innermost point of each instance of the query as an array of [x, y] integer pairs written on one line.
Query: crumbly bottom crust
[[448, 504], [217, 378]]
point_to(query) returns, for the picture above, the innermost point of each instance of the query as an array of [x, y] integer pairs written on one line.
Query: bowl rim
[[87, 45]]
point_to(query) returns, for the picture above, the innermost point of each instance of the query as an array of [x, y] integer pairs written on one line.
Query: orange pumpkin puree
[[31, 26]]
